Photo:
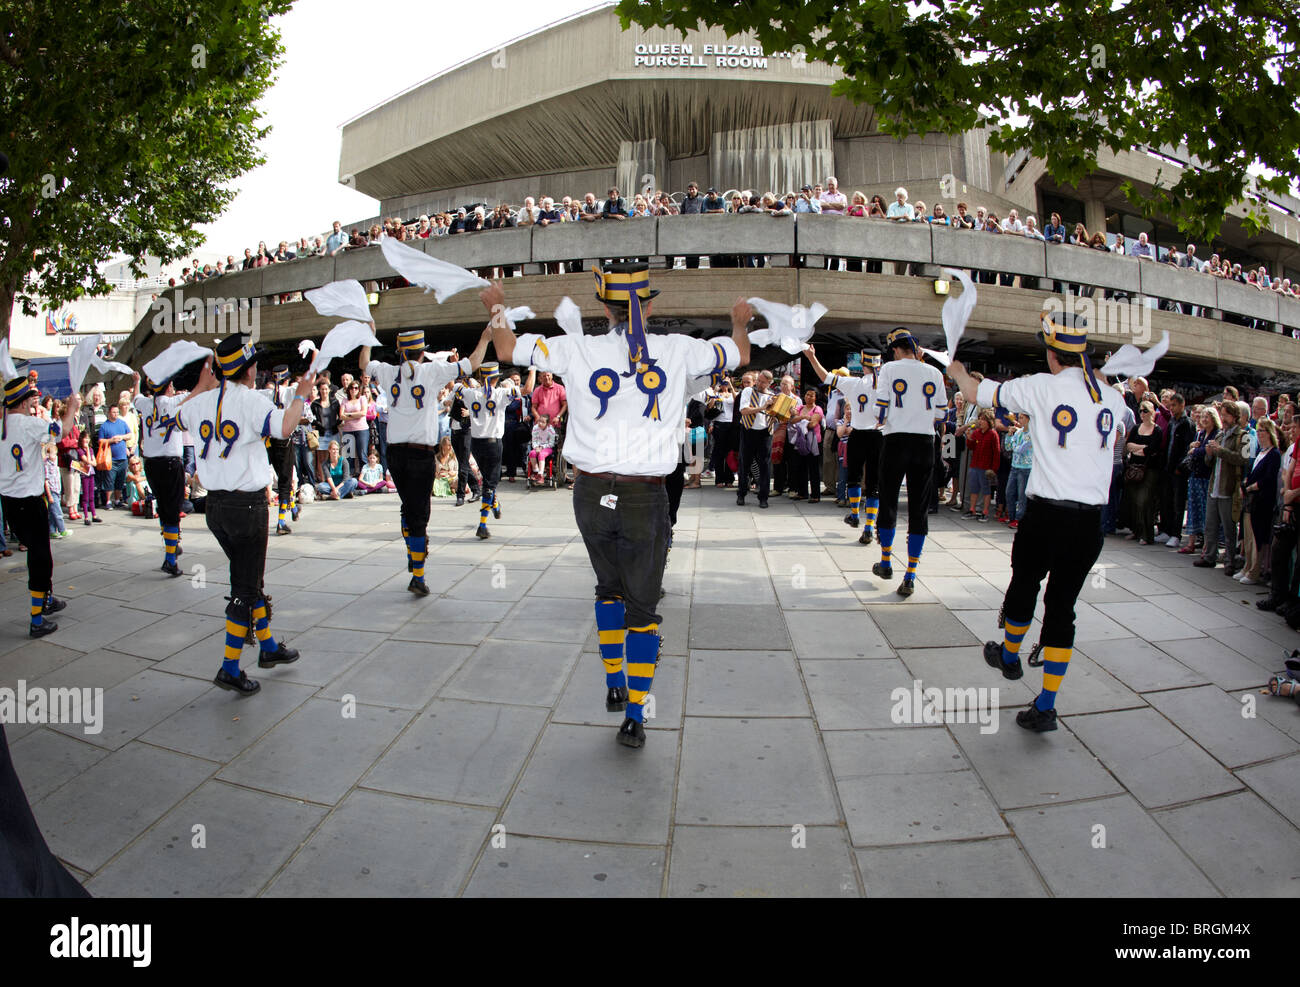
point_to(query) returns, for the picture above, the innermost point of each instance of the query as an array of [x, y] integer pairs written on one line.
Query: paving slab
[[761, 862], [581, 784], [1275, 783], [992, 868], [1153, 759], [221, 842], [1140, 665], [399, 673], [744, 683], [1137, 859], [45, 760], [101, 810], [1242, 844], [317, 753], [832, 633], [909, 625], [376, 845], [583, 699], [218, 725], [753, 772], [131, 708], [739, 627], [459, 752], [1214, 720], [856, 695], [530, 867], [1217, 662], [513, 672]]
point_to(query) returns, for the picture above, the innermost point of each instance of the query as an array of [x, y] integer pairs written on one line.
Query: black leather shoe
[[243, 685], [171, 568], [418, 586], [1204, 563], [740, 501], [631, 733], [882, 572], [496, 511], [43, 628], [763, 504], [460, 501], [906, 588], [866, 537], [1271, 603], [483, 532], [53, 605], [616, 699], [852, 520], [1035, 719], [283, 529], [280, 656], [993, 658]]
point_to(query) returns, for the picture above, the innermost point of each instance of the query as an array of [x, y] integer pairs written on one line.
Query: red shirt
[[985, 449], [548, 400]]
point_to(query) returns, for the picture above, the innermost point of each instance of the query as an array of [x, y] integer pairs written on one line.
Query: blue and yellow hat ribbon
[[1072, 341]]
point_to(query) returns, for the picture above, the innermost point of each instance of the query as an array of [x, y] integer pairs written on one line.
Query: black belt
[[414, 445], [624, 478], [1067, 505], [237, 497]]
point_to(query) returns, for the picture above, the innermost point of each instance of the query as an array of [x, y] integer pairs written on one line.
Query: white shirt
[[859, 397], [1074, 439], [233, 457], [160, 435], [609, 428], [910, 397], [750, 397], [413, 406], [727, 403], [22, 465], [487, 411]]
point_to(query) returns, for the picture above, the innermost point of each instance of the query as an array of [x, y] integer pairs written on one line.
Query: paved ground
[[480, 760]]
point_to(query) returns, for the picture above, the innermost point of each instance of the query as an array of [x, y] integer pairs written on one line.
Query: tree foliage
[[1061, 80], [125, 123]]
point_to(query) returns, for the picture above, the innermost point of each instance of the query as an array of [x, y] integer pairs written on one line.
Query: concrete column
[[1094, 215]]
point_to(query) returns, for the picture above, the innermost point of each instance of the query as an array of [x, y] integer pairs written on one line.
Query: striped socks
[[610, 617], [171, 538], [261, 627], [855, 500], [418, 546], [484, 506], [1055, 663], [886, 537], [872, 506], [38, 609], [283, 510], [236, 631], [642, 656], [915, 543], [1014, 633]]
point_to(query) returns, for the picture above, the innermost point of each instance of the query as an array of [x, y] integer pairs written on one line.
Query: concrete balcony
[[860, 304]]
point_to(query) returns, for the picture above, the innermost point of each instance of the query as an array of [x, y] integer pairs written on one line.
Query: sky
[[341, 59]]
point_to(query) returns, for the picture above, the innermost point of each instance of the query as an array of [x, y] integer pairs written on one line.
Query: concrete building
[[582, 105]]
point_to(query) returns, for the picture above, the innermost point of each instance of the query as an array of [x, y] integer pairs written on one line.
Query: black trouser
[[808, 478], [725, 435], [756, 451], [1062, 544], [487, 453], [29, 518], [1173, 503], [1286, 578], [27, 868], [166, 476], [237, 518], [460, 446], [306, 472], [910, 455], [412, 469], [627, 544], [863, 460], [280, 452], [674, 483]]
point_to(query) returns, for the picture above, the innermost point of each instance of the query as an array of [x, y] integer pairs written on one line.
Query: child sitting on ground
[[372, 476]]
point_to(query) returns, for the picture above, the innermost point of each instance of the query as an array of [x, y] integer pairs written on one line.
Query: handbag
[[104, 458], [313, 439], [1135, 472]]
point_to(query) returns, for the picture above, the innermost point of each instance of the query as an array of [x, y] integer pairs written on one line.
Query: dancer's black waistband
[[236, 497], [1066, 505]]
